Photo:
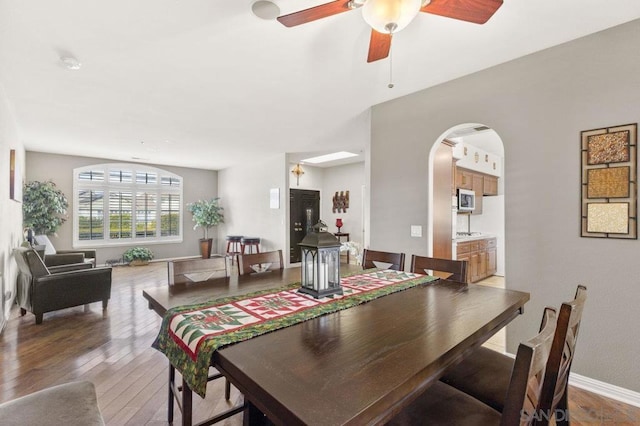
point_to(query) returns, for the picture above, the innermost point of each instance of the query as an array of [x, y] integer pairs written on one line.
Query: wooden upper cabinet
[[490, 185], [478, 188], [464, 178]]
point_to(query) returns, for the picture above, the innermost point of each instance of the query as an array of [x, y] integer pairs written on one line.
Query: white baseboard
[[605, 389]]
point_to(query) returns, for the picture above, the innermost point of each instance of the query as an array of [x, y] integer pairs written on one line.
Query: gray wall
[[538, 105], [10, 211], [244, 193], [198, 184]]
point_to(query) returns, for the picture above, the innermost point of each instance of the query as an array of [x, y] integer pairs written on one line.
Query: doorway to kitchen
[[468, 158]]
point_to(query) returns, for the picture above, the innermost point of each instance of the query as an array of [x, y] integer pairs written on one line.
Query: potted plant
[[137, 256], [206, 214], [44, 207]]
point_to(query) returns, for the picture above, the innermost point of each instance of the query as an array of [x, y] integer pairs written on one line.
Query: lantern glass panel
[[309, 268]]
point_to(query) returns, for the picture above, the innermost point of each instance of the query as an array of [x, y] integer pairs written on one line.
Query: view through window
[[123, 203]]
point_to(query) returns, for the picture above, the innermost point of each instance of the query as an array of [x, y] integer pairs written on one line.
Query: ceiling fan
[[387, 17]]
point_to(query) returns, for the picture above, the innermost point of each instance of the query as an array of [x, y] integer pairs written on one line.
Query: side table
[[339, 236]]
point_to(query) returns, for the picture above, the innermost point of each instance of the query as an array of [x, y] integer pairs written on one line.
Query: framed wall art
[[609, 182], [15, 177]]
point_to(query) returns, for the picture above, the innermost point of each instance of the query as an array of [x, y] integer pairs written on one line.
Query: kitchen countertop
[[465, 238]]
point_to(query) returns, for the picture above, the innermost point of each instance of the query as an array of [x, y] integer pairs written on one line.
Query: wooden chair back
[[246, 261], [196, 270], [525, 387], [554, 390], [458, 268], [370, 256]]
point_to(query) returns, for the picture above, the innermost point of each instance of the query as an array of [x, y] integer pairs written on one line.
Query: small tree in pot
[[44, 207], [206, 214]]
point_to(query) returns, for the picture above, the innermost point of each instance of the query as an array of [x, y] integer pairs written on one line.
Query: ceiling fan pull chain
[[390, 85]]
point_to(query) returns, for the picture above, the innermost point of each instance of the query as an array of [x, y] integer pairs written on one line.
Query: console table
[[339, 236]]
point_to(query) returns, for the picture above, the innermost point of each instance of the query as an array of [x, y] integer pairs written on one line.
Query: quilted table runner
[[191, 334]]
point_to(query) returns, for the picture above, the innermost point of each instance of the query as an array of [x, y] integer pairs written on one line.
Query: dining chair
[[196, 270], [442, 404], [457, 268], [260, 262], [485, 373], [373, 259]]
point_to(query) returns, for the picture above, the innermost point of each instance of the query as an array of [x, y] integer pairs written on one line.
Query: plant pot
[[138, 262], [205, 247]]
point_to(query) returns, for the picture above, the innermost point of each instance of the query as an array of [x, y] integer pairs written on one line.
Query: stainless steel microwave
[[466, 200]]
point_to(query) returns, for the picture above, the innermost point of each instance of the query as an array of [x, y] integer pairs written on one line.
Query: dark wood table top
[[356, 366]]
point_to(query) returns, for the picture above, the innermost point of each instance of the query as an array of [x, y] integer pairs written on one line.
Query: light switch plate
[[416, 231]]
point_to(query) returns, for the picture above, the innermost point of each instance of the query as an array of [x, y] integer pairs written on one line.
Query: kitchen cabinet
[[478, 188], [490, 185], [464, 178], [480, 255], [478, 182]]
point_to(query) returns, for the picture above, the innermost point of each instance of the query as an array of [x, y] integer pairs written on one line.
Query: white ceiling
[[205, 83]]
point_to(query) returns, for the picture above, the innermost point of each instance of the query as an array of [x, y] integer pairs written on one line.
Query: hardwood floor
[[113, 350]]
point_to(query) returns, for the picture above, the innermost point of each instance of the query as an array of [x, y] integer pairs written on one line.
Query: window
[[124, 204]]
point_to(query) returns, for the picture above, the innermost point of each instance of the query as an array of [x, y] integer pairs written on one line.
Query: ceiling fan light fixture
[[266, 10], [390, 16]]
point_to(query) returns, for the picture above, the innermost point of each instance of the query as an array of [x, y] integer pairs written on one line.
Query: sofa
[[40, 290]]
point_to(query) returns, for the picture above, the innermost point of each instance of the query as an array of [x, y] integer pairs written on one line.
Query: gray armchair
[[39, 290]]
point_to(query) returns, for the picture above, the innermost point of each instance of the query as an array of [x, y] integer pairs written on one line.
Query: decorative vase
[[205, 247], [138, 262]]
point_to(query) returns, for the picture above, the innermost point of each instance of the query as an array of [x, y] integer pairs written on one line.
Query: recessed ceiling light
[[265, 10], [70, 63], [330, 157]]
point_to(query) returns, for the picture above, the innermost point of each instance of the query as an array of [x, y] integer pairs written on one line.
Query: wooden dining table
[[361, 365]]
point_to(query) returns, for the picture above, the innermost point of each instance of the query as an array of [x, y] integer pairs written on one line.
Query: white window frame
[[106, 186]]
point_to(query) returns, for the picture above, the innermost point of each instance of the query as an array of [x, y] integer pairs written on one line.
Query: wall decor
[[341, 202], [15, 178], [609, 182]]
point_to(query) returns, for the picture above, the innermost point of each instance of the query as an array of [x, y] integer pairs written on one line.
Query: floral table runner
[[191, 334]]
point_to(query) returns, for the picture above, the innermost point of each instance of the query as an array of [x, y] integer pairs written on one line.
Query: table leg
[[186, 404], [172, 380], [252, 415]]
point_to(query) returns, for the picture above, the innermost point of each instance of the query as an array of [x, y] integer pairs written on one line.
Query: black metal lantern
[[320, 263]]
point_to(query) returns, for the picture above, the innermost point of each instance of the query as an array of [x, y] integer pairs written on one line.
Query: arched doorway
[[478, 149]]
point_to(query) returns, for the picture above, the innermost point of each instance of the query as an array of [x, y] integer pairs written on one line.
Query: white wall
[[350, 178], [538, 105], [10, 211], [244, 193], [198, 184]]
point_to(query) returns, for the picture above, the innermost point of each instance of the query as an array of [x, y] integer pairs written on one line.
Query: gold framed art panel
[[609, 182]]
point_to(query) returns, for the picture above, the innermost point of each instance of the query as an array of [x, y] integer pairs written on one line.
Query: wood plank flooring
[[113, 350]]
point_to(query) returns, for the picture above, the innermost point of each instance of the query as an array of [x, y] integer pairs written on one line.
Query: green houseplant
[[44, 207], [137, 256], [206, 214]]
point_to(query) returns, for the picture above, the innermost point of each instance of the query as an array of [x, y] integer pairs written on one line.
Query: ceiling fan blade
[[476, 11], [379, 46], [314, 13]]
